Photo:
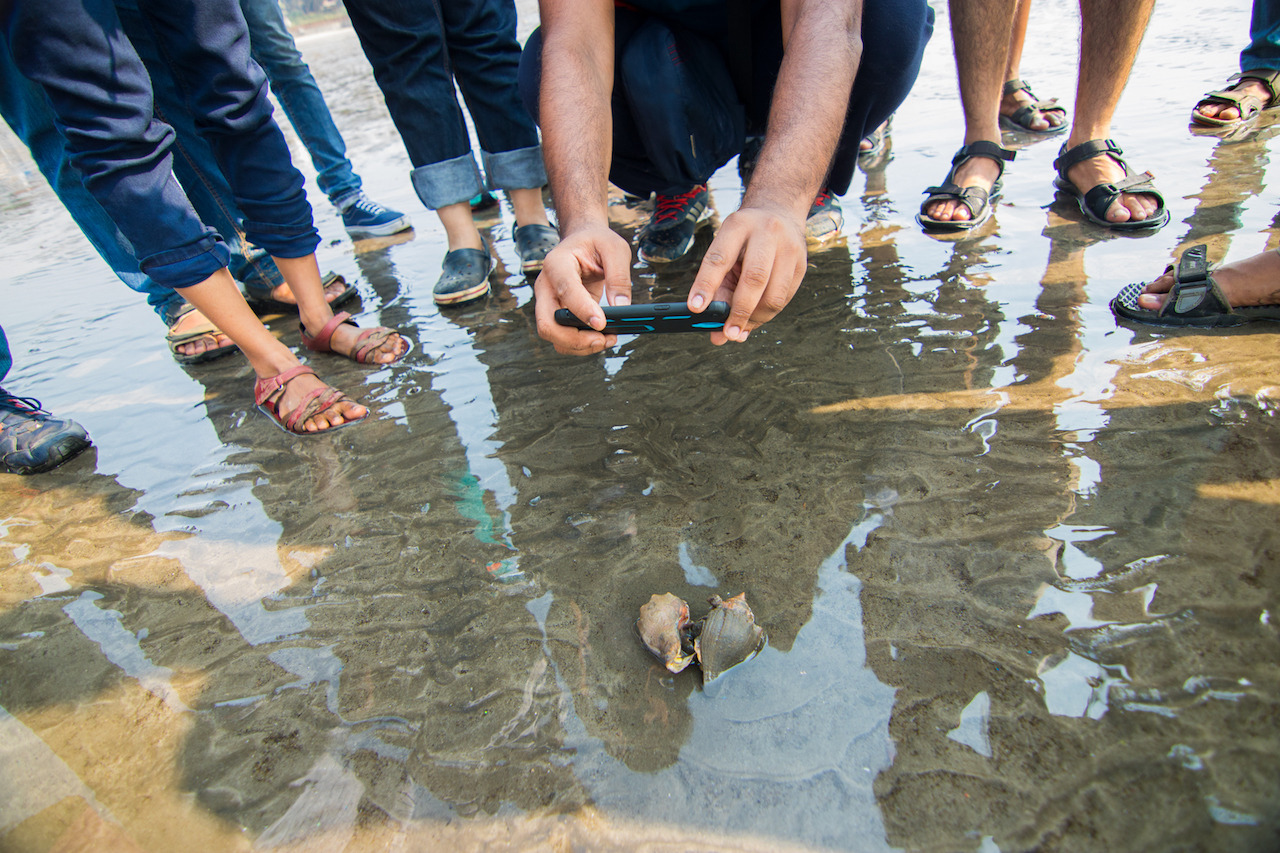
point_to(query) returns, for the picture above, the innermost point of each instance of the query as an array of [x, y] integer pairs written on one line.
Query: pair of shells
[[724, 638]]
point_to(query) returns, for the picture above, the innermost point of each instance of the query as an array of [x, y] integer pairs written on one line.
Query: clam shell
[[729, 636], [664, 628]]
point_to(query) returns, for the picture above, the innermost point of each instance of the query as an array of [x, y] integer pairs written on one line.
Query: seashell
[[729, 636], [664, 627]]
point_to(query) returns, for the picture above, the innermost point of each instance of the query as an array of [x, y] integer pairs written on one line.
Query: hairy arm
[[759, 257], [577, 121]]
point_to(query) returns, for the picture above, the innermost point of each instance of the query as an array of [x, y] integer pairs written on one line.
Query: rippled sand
[[1018, 564]]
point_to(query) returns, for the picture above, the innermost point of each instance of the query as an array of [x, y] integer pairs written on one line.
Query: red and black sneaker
[[825, 218], [668, 235]]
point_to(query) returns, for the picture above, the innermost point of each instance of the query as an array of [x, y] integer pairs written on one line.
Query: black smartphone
[[654, 317]]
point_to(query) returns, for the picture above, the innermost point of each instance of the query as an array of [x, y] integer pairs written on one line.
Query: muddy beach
[[1018, 564]]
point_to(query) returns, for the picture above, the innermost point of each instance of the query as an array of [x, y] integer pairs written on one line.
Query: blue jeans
[[1263, 52], [417, 49], [678, 115], [77, 52], [295, 88], [6, 357]]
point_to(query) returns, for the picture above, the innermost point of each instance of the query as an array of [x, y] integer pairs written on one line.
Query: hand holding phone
[[654, 317]]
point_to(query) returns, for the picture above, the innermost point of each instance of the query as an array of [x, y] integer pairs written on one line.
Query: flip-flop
[[1249, 106], [1194, 300], [978, 200], [1094, 203], [205, 331], [1020, 120]]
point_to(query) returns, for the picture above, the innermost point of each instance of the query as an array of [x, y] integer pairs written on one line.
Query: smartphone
[[654, 317]]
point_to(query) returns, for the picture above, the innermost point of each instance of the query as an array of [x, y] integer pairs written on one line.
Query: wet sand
[[1017, 563]]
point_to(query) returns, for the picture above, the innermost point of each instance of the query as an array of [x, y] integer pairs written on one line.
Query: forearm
[[823, 47], [574, 105]]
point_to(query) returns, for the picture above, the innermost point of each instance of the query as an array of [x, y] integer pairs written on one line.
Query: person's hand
[[588, 263], [755, 263]]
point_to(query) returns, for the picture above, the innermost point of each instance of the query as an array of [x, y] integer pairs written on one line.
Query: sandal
[[977, 199], [259, 289], [1094, 203], [1020, 120], [368, 342], [1248, 105], [269, 392], [1194, 300], [878, 155], [205, 331]]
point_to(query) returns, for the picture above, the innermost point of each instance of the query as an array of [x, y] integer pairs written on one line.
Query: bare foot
[[1129, 207], [332, 291], [1042, 119], [208, 343], [975, 172], [1253, 281], [1227, 112], [296, 391], [343, 342]]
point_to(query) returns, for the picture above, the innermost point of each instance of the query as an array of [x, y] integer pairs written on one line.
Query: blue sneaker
[[364, 217], [33, 441]]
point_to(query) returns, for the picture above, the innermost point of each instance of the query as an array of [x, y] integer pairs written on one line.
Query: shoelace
[[372, 208], [673, 206], [824, 196], [21, 405]]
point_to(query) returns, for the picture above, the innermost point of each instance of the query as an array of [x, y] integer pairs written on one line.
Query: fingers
[[573, 277], [756, 262]]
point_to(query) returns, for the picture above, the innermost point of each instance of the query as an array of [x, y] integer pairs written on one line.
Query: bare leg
[[459, 227], [1111, 32], [218, 298], [975, 26], [1253, 281], [303, 277], [1011, 103], [528, 206]]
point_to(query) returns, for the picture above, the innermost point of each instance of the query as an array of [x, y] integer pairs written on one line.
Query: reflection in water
[[1016, 563]]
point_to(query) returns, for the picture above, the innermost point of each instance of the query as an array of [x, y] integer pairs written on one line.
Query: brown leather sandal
[[268, 393], [366, 344]]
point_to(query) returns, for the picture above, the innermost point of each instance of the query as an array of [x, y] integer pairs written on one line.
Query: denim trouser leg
[[416, 48], [1263, 52], [651, 122], [26, 111], [295, 88], [76, 52], [206, 44], [6, 357]]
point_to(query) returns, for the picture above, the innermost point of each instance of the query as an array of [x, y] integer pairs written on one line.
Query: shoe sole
[[701, 221], [480, 290], [393, 227], [832, 223], [66, 449]]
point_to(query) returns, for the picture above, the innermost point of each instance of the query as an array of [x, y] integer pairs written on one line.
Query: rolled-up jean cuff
[[518, 169], [189, 265], [447, 182], [283, 241]]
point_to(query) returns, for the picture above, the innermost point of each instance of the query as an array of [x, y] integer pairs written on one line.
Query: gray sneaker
[[33, 441]]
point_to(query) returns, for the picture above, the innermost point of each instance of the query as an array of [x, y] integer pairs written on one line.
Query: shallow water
[[1017, 564]]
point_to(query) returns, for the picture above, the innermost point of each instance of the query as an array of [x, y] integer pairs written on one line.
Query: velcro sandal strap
[[265, 388], [320, 343], [984, 148], [1267, 77], [1015, 85], [1085, 151], [1194, 292]]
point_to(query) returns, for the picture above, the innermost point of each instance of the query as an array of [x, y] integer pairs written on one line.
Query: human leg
[[1110, 36], [975, 26], [1020, 109], [1256, 87]]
